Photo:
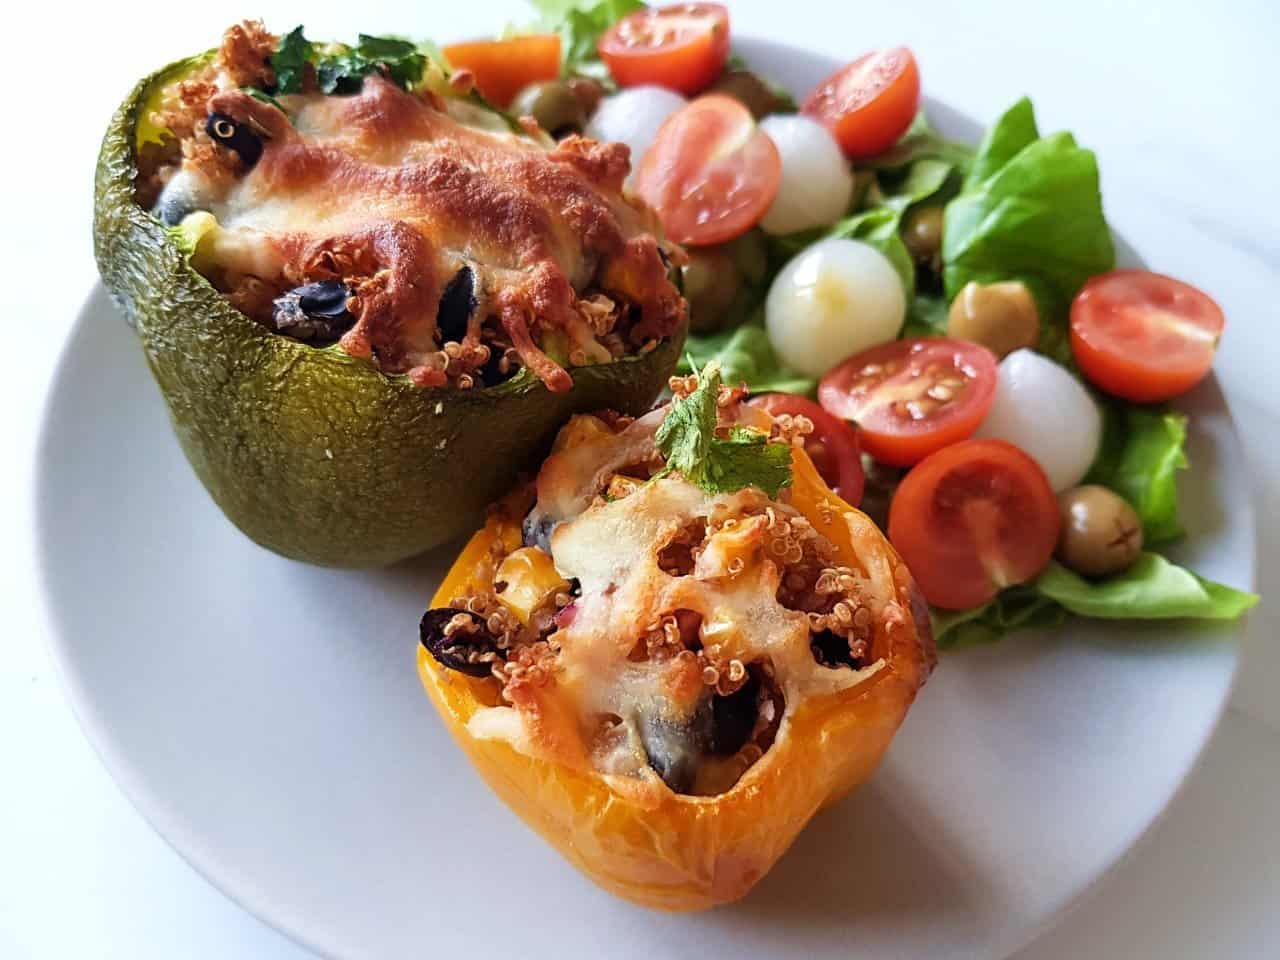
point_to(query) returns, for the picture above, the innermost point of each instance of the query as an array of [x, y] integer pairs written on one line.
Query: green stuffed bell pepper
[[369, 299]]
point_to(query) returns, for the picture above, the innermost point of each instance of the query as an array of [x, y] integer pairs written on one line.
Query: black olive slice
[[492, 373], [536, 529], [720, 726], [314, 311], [832, 650], [460, 650], [734, 716], [328, 298], [184, 194], [457, 304], [234, 135], [171, 210], [675, 749]]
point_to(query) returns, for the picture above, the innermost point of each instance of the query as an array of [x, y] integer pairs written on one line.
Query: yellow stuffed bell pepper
[[693, 676]]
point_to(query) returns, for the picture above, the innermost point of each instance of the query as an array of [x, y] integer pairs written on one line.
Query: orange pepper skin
[[691, 853]]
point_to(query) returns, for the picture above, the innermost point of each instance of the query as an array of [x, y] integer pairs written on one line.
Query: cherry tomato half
[[682, 47], [973, 519], [833, 445], [910, 398], [711, 173], [503, 68], [1144, 336], [870, 103]]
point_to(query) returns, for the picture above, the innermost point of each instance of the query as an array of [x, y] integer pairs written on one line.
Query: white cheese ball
[[833, 300], [1044, 410], [817, 182], [633, 116]]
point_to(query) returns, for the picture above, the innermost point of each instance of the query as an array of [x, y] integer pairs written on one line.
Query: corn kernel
[[531, 581], [579, 430]]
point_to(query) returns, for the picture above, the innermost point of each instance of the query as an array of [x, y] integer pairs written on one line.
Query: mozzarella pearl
[[837, 298], [817, 182], [633, 117], [1048, 413]]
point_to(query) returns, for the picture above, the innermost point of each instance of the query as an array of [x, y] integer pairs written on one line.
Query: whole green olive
[[589, 92], [711, 283], [750, 254], [555, 106], [1000, 316], [922, 234], [749, 90], [1101, 533]]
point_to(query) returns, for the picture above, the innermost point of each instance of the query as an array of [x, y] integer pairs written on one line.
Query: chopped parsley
[[290, 60], [344, 72], [687, 438], [342, 69]]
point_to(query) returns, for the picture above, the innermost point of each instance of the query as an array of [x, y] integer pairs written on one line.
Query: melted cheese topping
[[395, 192], [613, 548]]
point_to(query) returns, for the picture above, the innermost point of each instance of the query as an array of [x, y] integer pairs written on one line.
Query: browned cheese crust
[[389, 191]]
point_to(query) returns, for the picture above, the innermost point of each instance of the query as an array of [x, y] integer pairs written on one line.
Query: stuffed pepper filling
[[362, 197], [651, 618]]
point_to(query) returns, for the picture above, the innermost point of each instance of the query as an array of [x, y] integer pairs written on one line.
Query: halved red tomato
[[711, 173], [682, 47], [1144, 336], [833, 445], [973, 519], [870, 103], [910, 398], [503, 68]]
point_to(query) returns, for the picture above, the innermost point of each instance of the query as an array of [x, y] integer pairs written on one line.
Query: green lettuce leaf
[[1012, 133], [1141, 453], [1152, 589], [580, 24], [745, 356], [1029, 210], [926, 317], [921, 142], [1017, 608], [916, 182]]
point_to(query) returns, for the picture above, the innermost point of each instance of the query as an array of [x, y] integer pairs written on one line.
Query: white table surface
[[1179, 97]]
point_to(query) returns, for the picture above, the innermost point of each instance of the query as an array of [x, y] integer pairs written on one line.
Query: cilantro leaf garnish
[[290, 60], [343, 69], [345, 72], [689, 427], [687, 438], [748, 459]]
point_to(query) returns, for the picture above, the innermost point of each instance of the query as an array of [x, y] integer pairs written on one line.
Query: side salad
[[979, 375]]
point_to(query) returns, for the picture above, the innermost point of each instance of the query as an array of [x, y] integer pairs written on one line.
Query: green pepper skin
[[312, 453]]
